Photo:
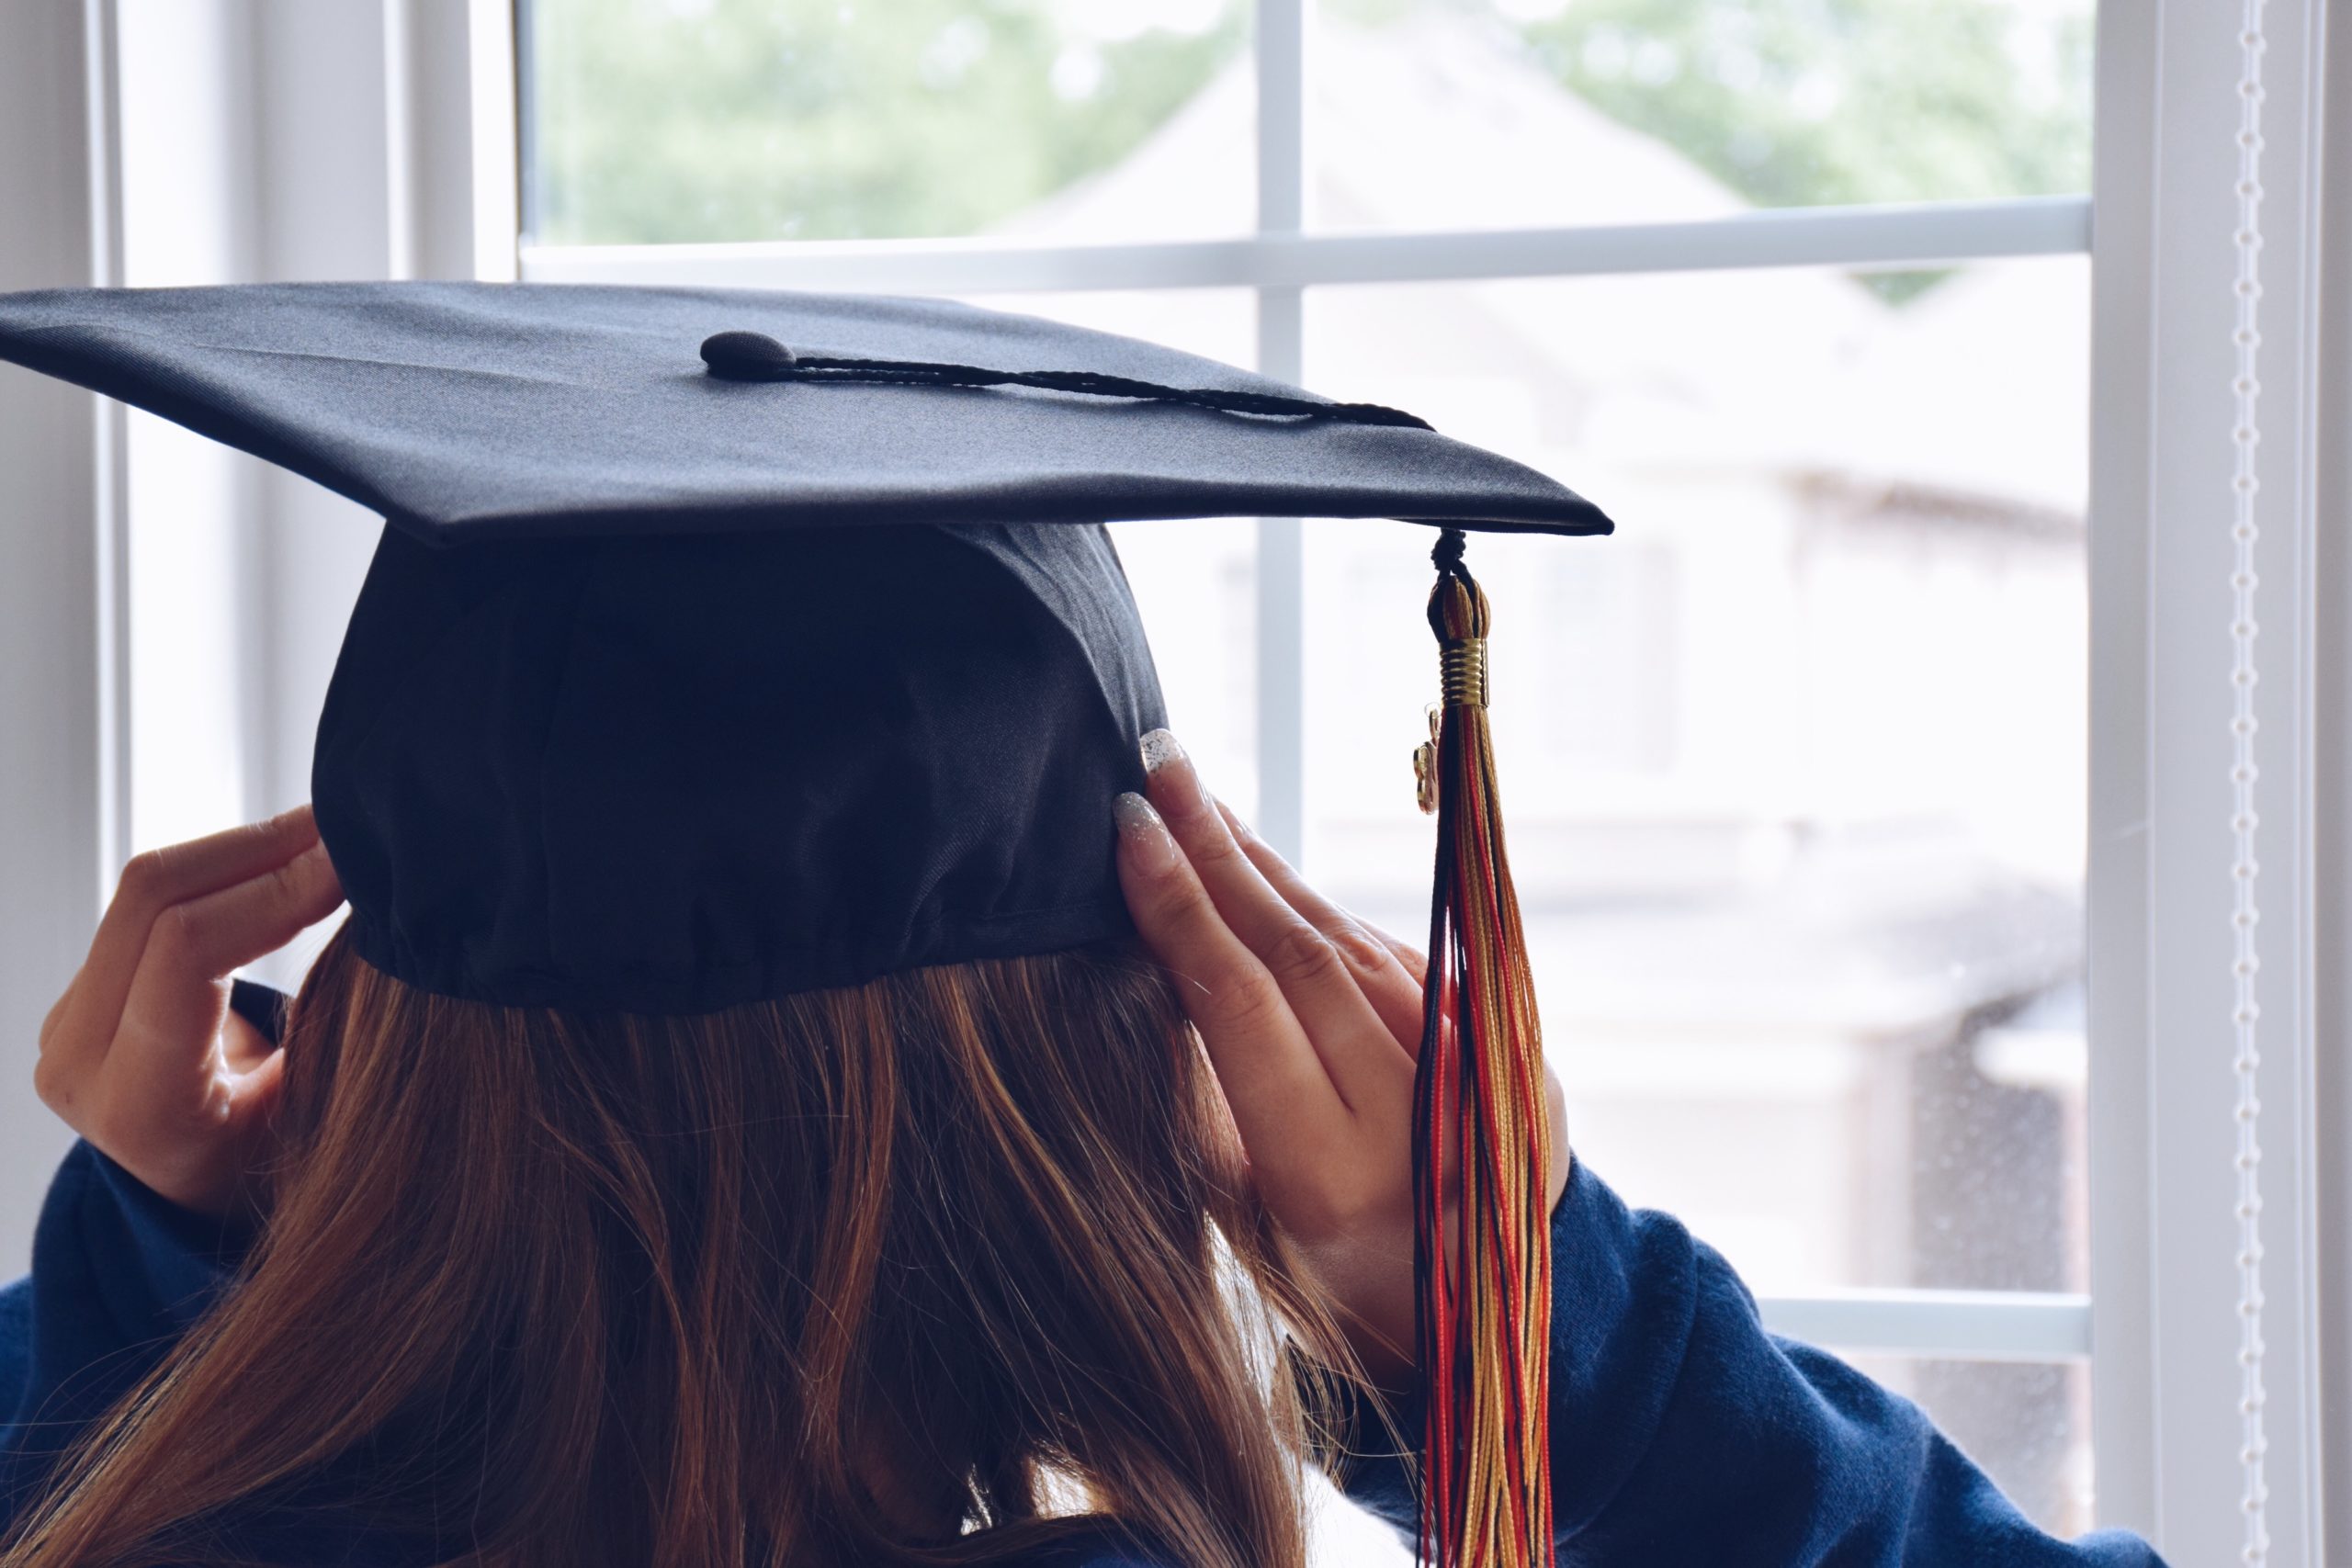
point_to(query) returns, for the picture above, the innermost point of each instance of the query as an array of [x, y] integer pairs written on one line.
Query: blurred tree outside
[[1798, 103], [657, 121], [1803, 102], [665, 120]]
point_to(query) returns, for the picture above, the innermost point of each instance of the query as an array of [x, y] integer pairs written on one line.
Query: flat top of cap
[[463, 411]]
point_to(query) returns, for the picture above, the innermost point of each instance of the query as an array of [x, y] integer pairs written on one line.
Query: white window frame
[[2208, 1412], [385, 132]]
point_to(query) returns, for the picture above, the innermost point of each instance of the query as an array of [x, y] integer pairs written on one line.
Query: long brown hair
[[925, 1271]]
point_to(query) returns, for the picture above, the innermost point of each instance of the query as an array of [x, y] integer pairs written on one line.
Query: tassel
[[1483, 1294]]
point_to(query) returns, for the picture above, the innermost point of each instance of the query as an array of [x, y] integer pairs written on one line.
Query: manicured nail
[[1162, 752], [1143, 832]]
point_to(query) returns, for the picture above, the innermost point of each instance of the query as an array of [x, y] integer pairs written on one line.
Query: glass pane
[[1435, 114], [1796, 762], [193, 535], [2027, 1426], [1219, 323], [1196, 580], [1197, 584], [652, 120]]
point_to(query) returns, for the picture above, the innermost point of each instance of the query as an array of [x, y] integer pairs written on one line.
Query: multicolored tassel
[[1483, 1137]]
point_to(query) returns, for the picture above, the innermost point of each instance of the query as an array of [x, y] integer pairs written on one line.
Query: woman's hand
[[1313, 1022], [141, 1054]]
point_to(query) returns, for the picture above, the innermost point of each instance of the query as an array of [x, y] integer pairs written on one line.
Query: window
[[1799, 817]]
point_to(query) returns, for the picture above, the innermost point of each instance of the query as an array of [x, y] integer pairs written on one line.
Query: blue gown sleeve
[[1683, 1433], [119, 1275]]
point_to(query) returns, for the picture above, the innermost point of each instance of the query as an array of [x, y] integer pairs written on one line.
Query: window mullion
[[1937, 1324], [1867, 238], [1281, 667]]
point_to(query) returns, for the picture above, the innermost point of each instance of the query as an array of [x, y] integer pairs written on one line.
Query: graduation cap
[[726, 644]]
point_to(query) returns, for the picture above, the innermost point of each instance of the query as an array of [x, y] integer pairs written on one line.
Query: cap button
[[746, 356]]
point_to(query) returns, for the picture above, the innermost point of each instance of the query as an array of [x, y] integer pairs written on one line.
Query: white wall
[[49, 813]]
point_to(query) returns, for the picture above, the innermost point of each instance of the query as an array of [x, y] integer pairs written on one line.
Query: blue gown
[[1682, 1432]]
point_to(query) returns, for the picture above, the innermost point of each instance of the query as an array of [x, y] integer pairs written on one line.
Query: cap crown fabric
[[673, 774]]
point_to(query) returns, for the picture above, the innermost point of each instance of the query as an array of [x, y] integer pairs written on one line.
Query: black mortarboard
[[658, 730]]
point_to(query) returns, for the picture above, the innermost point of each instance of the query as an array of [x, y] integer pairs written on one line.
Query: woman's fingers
[[1347, 1032], [1274, 1081], [152, 883], [172, 1016], [141, 1056], [209, 936], [1389, 982], [1416, 962]]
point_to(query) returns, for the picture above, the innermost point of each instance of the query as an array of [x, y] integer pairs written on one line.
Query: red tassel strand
[[1482, 1137]]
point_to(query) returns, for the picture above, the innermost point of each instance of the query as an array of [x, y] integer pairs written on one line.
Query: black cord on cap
[[755, 356]]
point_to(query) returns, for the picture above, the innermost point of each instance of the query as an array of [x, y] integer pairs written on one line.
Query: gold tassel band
[[1462, 671]]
